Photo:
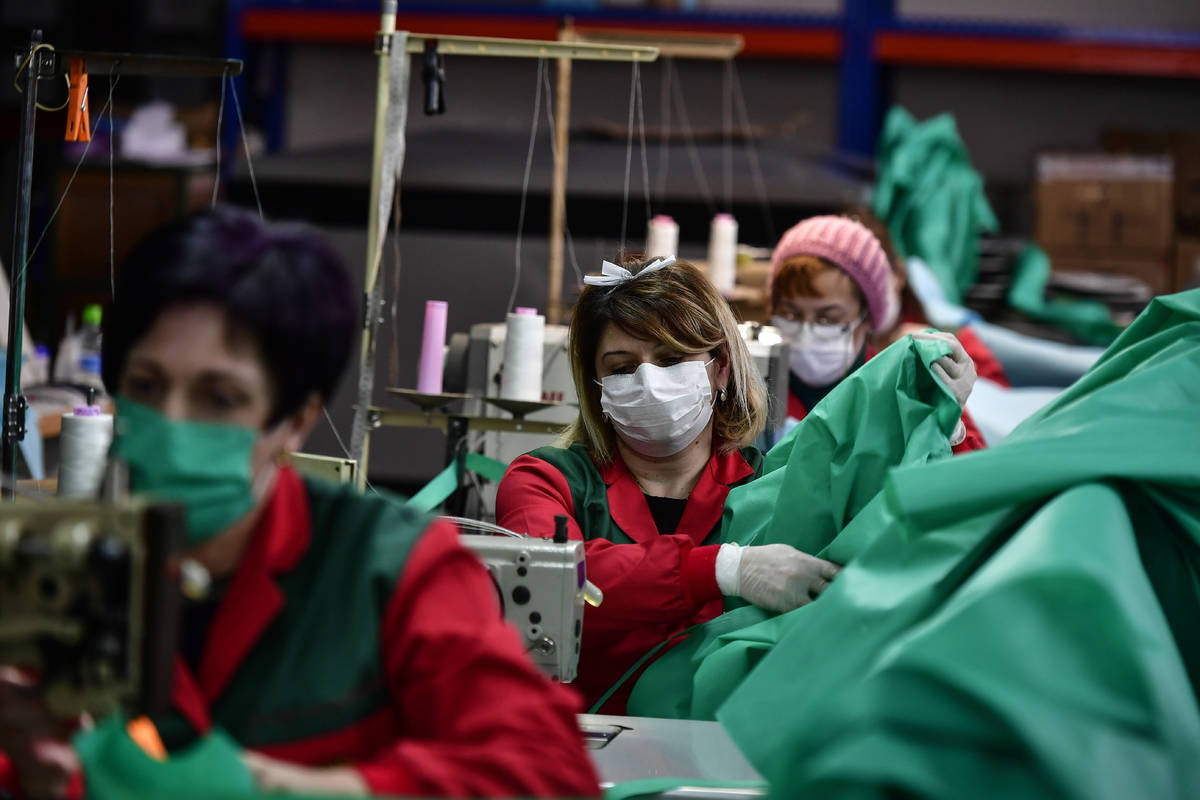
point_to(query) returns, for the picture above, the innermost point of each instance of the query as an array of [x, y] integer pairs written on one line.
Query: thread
[[524, 336], [433, 344], [722, 252], [83, 451], [664, 237]]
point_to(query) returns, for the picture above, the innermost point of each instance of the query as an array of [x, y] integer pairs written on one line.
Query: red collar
[[280, 540], [628, 508]]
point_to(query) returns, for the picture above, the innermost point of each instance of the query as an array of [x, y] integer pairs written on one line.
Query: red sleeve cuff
[[700, 574]]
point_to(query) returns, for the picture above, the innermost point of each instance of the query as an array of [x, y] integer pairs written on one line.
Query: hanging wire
[[87, 146], [554, 154], [237, 108], [664, 115], [633, 81], [112, 138], [220, 122], [727, 133], [537, 107], [756, 173], [25, 64], [690, 141], [642, 137]]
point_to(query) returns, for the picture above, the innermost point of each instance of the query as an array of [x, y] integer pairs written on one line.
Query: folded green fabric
[[1019, 622], [1089, 321], [931, 197], [116, 768], [827, 469]]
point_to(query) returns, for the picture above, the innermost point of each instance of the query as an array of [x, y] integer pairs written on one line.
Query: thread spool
[[83, 451], [662, 239], [722, 252], [524, 336], [433, 345]]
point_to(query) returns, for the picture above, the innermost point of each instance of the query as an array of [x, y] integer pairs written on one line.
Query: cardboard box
[[1100, 204], [1158, 272], [1184, 149], [1187, 263]]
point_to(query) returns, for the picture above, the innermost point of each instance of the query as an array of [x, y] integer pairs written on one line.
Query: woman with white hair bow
[[669, 401]]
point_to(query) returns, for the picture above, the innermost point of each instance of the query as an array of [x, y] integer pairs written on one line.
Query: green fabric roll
[[1089, 321], [931, 197], [1019, 622]]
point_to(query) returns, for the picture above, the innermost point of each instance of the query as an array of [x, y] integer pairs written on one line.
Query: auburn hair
[[680, 308], [797, 276]]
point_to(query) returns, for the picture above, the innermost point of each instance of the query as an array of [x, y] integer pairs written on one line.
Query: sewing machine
[[86, 601], [542, 586]]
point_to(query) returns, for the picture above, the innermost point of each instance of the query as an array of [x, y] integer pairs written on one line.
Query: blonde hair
[[678, 307]]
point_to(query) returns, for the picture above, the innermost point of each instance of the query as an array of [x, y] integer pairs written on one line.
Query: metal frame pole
[[14, 401]]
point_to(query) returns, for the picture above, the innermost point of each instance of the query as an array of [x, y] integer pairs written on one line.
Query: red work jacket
[[654, 586]]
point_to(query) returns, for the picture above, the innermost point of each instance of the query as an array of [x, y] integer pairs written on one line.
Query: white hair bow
[[613, 275]]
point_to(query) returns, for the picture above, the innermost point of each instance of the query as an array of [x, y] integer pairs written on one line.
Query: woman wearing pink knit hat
[[830, 288]]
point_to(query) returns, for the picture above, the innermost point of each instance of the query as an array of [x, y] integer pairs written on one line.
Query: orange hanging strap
[[79, 126]]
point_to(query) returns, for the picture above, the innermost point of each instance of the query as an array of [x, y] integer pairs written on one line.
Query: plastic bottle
[[88, 370], [36, 370], [66, 361]]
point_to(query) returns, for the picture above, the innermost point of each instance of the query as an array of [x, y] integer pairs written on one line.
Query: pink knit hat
[[848, 244]]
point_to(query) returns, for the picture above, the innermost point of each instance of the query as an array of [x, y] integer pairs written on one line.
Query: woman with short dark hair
[[351, 645]]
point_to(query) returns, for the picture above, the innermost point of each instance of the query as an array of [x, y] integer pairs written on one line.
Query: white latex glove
[[957, 370], [777, 577]]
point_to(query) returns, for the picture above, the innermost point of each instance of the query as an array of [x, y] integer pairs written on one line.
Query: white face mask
[[818, 354], [658, 411]]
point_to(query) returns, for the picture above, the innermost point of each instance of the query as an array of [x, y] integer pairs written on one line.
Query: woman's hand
[[957, 370], [271, 775], [777, 577], [33, 740]]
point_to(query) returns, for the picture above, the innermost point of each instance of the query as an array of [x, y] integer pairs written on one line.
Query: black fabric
[[667, 511], [197, 619]]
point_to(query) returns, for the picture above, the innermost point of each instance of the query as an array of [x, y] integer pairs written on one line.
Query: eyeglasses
[[821, 329]]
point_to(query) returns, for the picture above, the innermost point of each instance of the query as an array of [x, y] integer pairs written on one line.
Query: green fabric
[[817, 479], [445, 483], [589, 494], [1018, 622], [327, 630], [654, 787], [931, 199], [1089, 321], [204, 466], [116, 768]]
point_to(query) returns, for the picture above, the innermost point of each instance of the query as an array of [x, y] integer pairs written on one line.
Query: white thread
[[537, 103], [524, 337], [633, 79], [220, 120], [756, 174], [237, 108], [83, 450], [690, 141]]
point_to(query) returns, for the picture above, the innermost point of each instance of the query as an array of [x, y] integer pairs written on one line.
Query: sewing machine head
[[541, 585], [87, 603]]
